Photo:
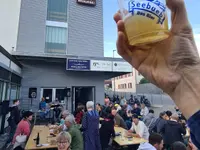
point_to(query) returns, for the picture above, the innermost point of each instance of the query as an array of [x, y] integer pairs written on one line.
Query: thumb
[[179, 15]]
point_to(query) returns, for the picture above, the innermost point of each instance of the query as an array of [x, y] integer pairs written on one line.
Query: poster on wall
[[87, 2], [100, 65], [78, 64]]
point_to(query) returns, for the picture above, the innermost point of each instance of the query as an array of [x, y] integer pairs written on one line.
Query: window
[[130, 85], [56, 38], [57, 10], [125, 86], [1, 91], [13, 92], [60, 95], [118, 86]]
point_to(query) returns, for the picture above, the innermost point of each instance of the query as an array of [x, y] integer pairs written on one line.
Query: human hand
[[163, 63]]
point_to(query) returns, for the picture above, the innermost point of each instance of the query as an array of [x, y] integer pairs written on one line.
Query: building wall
[[10, 10], [138, 77], [124, 79], [46, 74], [85, 29], [32, 25]]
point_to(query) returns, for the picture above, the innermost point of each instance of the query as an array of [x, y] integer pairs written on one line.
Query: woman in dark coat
[[90, 127], [107, 129]]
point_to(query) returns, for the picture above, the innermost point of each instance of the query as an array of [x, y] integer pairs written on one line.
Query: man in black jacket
[[13, 120], [173, 131]]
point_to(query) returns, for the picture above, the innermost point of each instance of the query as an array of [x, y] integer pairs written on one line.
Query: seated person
[[74, 131], [43, 108], [139, 128], [63, 141], [155, 143]]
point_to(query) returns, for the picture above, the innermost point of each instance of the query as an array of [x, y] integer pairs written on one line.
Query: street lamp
[[114, 77]]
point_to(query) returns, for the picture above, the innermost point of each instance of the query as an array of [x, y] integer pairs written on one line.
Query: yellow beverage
[[146, 22]]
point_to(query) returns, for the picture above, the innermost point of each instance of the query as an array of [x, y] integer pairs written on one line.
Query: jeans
[[12, 132]]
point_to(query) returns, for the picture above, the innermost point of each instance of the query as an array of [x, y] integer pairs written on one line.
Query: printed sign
[[78, 64], [122, 67], [87, 2], [100, 65]]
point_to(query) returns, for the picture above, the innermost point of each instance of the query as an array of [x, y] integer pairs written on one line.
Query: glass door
[[47, 94]]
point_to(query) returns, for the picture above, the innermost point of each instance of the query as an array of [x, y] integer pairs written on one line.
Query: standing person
[[169, 114], [74, 131], [173, 131], [63, 141], [139, 128], [155, 143], [119, 121], [100, 110], [23, 128], [107, 129], [160, 122], [150, 120], [172, 64], [13, 120], [144, 110], [79, 114], [90, 127]]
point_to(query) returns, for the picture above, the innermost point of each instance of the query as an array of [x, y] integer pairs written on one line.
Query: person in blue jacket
[[172, 64]]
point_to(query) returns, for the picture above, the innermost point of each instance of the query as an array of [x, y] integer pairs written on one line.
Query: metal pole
[[114, 76]]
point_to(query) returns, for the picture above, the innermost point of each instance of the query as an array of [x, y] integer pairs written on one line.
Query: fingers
[[122, 47], [179, 14], [117, 17]]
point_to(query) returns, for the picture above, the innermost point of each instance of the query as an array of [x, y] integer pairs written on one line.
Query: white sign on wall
[[100, 65], [122, 67]]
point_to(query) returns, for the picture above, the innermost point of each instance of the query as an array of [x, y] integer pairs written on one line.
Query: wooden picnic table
[[45, 138], [124, 141]]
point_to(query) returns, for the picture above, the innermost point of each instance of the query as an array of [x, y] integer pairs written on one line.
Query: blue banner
[[78, 64]]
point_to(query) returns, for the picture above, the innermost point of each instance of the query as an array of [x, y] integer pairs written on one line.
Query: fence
[[155, 99]]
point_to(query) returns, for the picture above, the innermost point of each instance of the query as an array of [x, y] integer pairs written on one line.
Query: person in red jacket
[[24, 127], [79, 114]]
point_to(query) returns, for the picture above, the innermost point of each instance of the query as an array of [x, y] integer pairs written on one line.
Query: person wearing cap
[[173, 131], [140, 129], [23, 128], [90, 127], [77, 139], [172, 64]]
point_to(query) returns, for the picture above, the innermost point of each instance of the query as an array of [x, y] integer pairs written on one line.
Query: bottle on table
[[38, 139]]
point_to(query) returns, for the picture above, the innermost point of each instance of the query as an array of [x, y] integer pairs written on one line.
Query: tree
[[143, 81]]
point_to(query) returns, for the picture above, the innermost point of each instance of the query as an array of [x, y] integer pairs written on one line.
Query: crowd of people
[[84, 130]]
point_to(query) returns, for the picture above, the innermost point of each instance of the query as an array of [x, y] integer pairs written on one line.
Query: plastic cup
[[145, 21]]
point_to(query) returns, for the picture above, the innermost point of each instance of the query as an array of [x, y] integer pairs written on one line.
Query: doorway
[[81, 95], [47, 94]]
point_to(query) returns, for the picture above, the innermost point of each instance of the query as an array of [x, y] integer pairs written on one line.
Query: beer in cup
[[145, 21]]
